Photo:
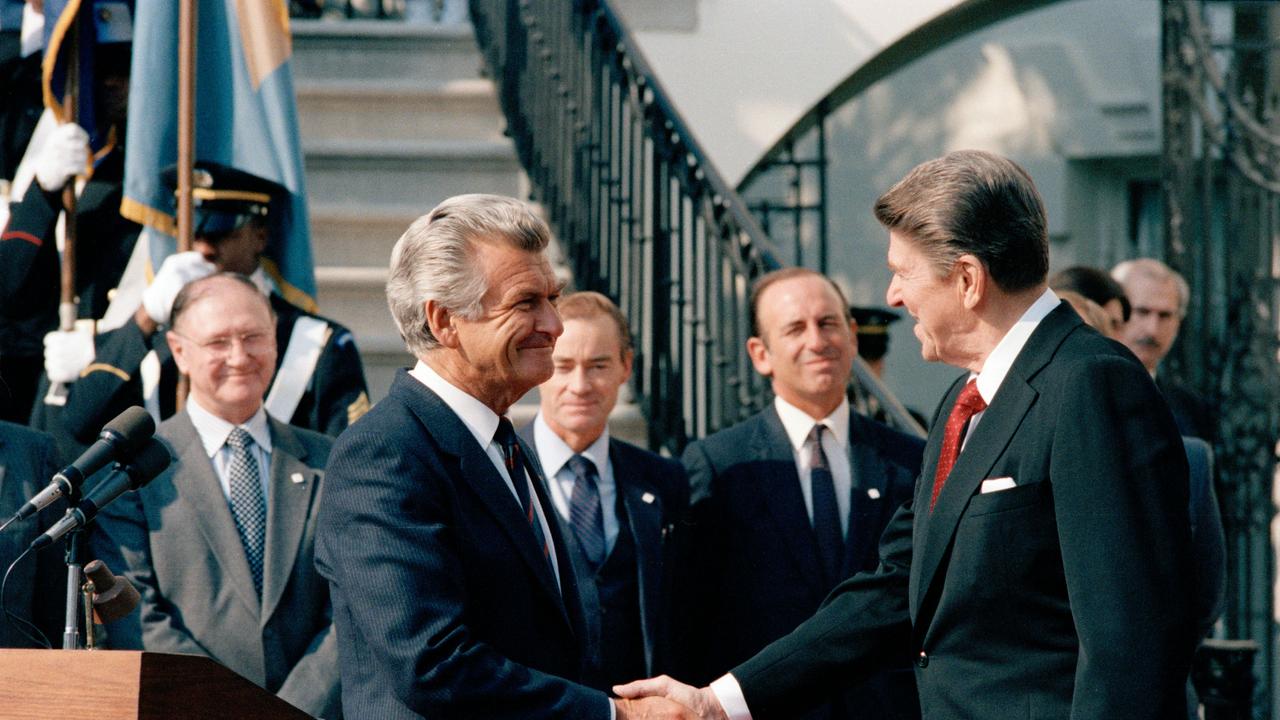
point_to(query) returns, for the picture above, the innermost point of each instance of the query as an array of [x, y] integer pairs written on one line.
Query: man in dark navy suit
[[1042, 569], [454, 594], [621, 503], [793, 500]]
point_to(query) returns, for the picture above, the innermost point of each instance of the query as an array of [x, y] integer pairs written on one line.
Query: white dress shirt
[[483, 424], [554, 454], [213, 432], [835, 445], [989, 379]]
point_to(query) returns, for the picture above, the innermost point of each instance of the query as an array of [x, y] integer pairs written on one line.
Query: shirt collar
[[554, 452], [798, 424], [478, 417], [1006, 351], [213, 430]]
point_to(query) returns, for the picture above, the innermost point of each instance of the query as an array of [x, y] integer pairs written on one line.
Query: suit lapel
[[646, 534], [292, 486], [197, 484], [779, 491], [865, 511], [478, 473], [984, 447]]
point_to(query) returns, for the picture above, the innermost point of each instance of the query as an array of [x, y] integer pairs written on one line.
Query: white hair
[[1153, 269], [434, 260]]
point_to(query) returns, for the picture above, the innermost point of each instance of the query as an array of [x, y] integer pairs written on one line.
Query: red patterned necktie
[[969, 403]]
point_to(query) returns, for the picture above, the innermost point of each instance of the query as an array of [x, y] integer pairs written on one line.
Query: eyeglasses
[[220, 347]]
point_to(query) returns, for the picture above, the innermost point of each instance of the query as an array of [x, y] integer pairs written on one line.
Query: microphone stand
[[75, 577]]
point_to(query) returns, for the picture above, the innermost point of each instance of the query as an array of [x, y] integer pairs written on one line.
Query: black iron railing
[[642, 215]]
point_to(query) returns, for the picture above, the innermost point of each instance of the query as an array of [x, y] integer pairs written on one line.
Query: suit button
[[922, 661]]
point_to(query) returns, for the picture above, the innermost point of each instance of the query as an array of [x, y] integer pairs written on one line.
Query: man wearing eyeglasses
[[319, 381], [220, 545]]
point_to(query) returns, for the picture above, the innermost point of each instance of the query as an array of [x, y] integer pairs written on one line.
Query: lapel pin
[[873, 493], [648, 498], [296, 478]]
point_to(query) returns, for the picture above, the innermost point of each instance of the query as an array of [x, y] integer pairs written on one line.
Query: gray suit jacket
[[175, 539]]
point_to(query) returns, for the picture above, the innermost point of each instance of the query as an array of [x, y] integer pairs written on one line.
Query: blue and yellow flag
[[246, 117], [100, 23]]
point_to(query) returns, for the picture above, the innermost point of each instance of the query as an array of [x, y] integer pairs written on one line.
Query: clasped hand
[[663, 698]]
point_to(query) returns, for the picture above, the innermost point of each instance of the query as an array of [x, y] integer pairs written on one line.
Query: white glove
[[176, 271], [66, 354], [64, 155]]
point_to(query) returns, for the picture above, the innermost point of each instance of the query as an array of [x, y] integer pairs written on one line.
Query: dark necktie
[[248, 506], [969, 403], [514, 460], [826, 511], [585, 513]]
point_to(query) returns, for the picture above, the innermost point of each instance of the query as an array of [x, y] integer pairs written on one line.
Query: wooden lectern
[[120, 684]]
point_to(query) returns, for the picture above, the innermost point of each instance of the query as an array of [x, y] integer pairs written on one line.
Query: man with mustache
[[793, 500], [1159, 297]]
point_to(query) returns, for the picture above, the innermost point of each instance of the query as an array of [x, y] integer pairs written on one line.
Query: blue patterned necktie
[[248, 506], [826, 511], [585, 513], [513, 458]]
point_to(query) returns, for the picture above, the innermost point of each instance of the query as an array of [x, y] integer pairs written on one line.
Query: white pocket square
[[996, 485]]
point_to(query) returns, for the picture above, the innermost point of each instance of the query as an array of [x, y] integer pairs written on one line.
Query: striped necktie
[[514, 460], [585, 513]]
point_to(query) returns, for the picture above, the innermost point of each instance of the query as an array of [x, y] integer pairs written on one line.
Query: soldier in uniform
[[29, 266], [319, 381], [873, 345]]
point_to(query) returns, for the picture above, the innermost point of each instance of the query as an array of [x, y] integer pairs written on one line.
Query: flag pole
[[67, 306], [186, 139]]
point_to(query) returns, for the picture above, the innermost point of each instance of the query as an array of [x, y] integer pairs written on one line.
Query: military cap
[[873, 330], [224, 198]]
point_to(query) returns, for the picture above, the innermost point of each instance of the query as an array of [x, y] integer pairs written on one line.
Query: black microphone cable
[[16, 622]]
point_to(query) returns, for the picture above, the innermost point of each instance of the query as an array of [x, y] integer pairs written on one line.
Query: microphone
[[150, 462], [119, 438], [113, 596]]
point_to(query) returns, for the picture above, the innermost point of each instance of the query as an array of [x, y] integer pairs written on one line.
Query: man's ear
[[972, 280], [759, 354], [179, 350], [440, 322]]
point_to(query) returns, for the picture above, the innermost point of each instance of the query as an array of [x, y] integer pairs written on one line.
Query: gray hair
[[1153, 269], [434, 260]]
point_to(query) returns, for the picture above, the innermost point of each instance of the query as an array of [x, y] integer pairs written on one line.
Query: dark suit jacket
[[755, 563], [1068, 595], [637, 473], [176, 540], [1209, 543], [1194, 416], [445, 606], [36, 591]]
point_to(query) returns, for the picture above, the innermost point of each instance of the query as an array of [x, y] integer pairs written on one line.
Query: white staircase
[[396, 117]]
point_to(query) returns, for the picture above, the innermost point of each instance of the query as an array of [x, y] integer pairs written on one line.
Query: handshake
[[663, 698]]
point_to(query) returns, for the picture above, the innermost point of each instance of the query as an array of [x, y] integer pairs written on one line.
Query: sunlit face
[[506, 351], [934, 302], [590, 368], [1154, 319], [225, 342], [806, 343], [236, 251]]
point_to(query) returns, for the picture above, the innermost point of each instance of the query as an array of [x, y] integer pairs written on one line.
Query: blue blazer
[[37, 588], [444, 604], [754, 560]]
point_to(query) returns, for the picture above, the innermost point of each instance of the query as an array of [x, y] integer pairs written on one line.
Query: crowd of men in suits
[[435, 561]]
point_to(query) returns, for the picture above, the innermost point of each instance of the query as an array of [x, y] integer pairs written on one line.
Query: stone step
[[371, 174], [346, 235], [432, 55], [331, 110]]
